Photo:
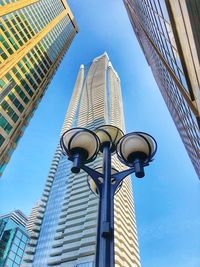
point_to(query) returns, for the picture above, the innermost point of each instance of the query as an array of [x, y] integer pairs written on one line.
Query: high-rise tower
[[34, 36], [13, 238], [167, 31], [66, 224]]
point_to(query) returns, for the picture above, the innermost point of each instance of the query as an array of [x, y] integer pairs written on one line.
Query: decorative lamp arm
[[119, 177], [94, 174]]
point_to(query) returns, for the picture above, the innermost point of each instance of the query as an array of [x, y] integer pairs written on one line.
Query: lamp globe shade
[[109, 134], [136, 146], [81, 141]]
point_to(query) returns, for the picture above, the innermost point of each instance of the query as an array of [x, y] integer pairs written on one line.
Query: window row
[[9, 111]]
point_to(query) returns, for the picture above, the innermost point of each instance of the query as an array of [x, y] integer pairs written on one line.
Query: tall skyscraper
[[34, 36], [168, 33], [65, 230], [13, 238]]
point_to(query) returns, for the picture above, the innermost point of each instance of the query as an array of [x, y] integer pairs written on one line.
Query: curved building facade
[[66, 224]]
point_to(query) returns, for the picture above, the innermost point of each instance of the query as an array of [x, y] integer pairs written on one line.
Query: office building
[[13, 238], [168, 32], [66, 223], [34, 36]]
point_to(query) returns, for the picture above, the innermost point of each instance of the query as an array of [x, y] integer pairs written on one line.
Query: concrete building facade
[[66, 224], [32, 217], [167, 31], [34, 36]]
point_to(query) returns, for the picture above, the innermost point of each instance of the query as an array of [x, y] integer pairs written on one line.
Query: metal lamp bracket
[[119, 177]]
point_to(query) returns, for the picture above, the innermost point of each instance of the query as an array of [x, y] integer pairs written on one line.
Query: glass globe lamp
[[80, 145], [136, 149], [109, 134]]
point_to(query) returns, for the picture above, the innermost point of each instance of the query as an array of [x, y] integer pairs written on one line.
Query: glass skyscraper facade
[[34, 36], [64, 231], [170, 42], [13, 239]]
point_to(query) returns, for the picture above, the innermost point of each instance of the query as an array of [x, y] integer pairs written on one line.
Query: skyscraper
[[34, 37], [65, 230], [13, 238], [167, 31]]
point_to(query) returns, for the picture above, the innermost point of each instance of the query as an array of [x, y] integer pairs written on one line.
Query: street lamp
[[134, 150]]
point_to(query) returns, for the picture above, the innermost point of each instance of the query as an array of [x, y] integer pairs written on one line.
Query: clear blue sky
[[167, 200]]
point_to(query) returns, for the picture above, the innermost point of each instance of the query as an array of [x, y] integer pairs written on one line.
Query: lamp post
[[135, 150]]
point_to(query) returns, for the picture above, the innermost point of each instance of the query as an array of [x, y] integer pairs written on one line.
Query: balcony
[[38, 221], [28, 258], [36, 228], [34, 235], [32, 243], [30, 250]]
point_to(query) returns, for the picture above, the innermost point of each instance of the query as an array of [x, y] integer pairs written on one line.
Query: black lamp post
[[135, 150]]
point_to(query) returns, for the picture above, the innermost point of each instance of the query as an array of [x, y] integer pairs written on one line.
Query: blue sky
[[167, 199]]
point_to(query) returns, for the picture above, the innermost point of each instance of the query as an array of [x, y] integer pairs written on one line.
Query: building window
[[9, 111], [2, 139], [9, 263], [2, 83], [21, 94], [5, 124], [16, 102]]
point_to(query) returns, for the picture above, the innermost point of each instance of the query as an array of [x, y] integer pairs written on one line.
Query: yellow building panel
[[64, 2], [5, 51], [24, 28], [18, 55], [35, 60], [11, 7], [14, 27], [10, 33], [27, 82], [19, 83]]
